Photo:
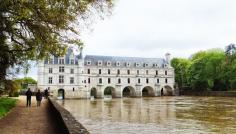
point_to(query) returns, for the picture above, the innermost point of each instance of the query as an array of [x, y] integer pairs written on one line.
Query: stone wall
[[65, 119]]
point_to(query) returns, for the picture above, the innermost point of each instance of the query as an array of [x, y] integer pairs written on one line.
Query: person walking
[[46, 93], [28, 97], [38, 98]]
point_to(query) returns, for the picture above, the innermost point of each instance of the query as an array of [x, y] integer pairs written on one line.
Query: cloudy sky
[[150, 28]]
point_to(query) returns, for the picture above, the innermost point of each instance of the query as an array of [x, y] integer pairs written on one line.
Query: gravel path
[[29, 120]]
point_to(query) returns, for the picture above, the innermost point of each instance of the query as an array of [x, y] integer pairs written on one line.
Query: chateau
[[75, 76]]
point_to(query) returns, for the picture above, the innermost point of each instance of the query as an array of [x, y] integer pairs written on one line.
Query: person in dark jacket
[[28, 97], [46, 93], [38, 98]]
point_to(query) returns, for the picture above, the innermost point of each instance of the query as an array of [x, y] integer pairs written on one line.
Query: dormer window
[[127, 64], [99, 63], [155, 65], [72, 61], [137, 64], [61, 61], [50, 60], [117, 63], [88, 63], [145, 64], [108, 63]]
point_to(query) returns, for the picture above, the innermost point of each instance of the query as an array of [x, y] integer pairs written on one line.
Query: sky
[[151, 28]]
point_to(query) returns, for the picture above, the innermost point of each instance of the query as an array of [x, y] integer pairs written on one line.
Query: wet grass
[[6, 104]]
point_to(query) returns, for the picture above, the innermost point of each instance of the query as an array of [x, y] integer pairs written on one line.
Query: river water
[[157, 115]]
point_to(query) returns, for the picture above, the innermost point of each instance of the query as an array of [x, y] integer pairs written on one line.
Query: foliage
[[12, 87], [5, 105], [181, 71], [23, 82], [207, 70], [33, 29]]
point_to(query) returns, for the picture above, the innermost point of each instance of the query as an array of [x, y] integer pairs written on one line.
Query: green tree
[[205, 69], [23, 82], [181, 67], [32, 29]]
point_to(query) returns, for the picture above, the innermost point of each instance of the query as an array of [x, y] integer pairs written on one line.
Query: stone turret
[[167, 56]]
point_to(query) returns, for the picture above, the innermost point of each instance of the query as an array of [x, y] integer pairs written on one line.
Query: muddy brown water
[[157, 115]]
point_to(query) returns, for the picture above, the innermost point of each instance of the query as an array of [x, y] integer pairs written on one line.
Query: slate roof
[[123, 60]]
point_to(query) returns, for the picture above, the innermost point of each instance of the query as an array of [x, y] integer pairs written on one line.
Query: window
[[50, 80], [71, 71], [137, 64], [50, 60], [71, 80], [138, 72], [88, 80], [139, 81], [61, 79], [109, 80], [100, 80], [84, 81], [145, 64], [61, 61], [109, 71], [99, 63], [165, 72], [88, 71], [117, 63], [118, 71], [128, 71], [61, 69], [128, 80], [108, 63], [166, 80], [147, 81], [88, 62], [72, 61], [147, 72], [50, 70], [119, 80], [127, 64], [157, 80], [100, 71], [156, 72]]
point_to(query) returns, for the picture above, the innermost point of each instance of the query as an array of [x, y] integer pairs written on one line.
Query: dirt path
[[29, 120]]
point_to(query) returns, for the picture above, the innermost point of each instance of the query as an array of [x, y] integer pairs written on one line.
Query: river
[[157, 115]]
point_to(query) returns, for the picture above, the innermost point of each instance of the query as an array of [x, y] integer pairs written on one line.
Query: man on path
[[28, 97], [46, 93], [38, 98]]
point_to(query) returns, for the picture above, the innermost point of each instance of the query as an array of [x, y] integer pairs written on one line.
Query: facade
[[75, 76]]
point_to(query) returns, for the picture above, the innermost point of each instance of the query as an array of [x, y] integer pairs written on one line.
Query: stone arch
[[148, 92], [93, 92], [61, 94], [167, 90], [110, 91], [128, 91]]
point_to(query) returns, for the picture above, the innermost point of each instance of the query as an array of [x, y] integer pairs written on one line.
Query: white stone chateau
[[75, 76]]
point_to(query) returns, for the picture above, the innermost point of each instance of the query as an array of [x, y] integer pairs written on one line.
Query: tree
[[33, 29], [23, 82], [181, 71], [205, 69]]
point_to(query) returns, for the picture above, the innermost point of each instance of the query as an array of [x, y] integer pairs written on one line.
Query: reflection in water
[[156, 115]]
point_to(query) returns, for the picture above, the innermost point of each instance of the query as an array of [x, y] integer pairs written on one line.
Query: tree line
[[212, 70]]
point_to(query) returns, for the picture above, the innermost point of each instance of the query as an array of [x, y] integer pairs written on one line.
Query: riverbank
[[6, 104], [209, 93]]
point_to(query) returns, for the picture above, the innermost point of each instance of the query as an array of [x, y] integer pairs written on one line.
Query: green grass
[[6, 104]]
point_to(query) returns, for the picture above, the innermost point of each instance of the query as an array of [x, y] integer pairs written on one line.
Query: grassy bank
[[5, 105]]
